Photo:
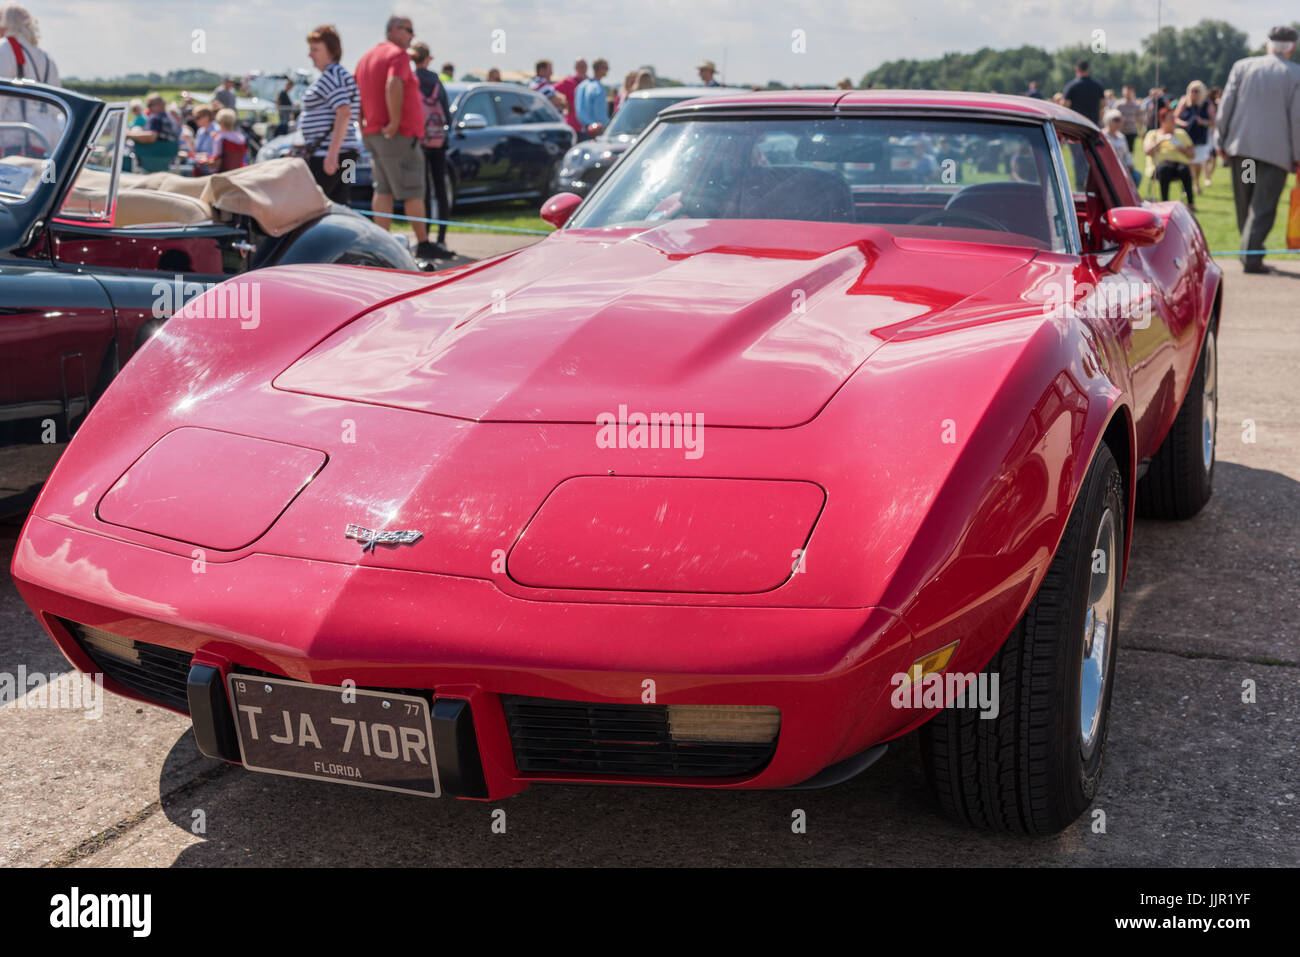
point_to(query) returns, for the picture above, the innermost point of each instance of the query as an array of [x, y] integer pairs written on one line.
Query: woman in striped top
[[330, 108]]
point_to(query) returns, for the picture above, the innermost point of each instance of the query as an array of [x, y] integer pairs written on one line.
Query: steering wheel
[[936, 216], [28, 129]]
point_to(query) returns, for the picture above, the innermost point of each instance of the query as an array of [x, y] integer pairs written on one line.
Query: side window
[[91, 196], [536, 109], [1094, 196], [480, 103], [1077, 166], [510, 108]]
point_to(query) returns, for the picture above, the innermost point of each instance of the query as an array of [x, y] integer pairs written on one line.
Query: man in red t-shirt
[[392, 122], [567, 88]]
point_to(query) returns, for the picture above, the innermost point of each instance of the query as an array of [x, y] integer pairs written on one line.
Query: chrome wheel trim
[[1209, 402], [1098, 632]]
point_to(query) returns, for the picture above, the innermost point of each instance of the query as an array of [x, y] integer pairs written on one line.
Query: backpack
[[435, 121], [21, 60]]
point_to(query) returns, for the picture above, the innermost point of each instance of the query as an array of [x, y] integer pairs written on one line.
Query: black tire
[[1030, 769], [1180, 476]]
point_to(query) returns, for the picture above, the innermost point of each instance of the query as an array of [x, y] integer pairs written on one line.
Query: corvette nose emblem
[[369, 538]]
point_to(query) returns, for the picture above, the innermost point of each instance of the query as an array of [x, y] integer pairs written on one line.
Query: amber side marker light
[[723, 722], [936, 660]]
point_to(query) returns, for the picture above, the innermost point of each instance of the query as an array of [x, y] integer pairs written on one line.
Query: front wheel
[[1034, 766]]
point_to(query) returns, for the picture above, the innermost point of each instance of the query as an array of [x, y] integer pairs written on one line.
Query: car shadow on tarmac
[[1193, 775]]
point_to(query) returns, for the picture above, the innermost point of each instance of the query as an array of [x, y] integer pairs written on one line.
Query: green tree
[[1205, 51]]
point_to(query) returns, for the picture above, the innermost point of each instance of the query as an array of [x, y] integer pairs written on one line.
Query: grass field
[[1218, 219], [518, 215]]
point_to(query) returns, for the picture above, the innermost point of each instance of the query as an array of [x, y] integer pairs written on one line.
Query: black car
[[504, 142], [586, 163]]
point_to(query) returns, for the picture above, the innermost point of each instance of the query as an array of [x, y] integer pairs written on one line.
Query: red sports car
[[822, 420]]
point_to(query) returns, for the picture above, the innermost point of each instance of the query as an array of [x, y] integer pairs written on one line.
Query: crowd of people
[[209, 134], [1252, 125], [402, 109], [1179, 140], [397, 106], [586, 102]]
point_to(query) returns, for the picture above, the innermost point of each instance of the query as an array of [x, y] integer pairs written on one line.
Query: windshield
[[269, 87], [973, 180], [30, 131], [91, 196], [635, 115]]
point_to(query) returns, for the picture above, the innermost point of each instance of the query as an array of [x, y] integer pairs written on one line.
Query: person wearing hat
[[1259, 137], [707, 70]]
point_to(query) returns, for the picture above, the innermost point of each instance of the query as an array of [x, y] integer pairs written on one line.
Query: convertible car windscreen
[[30, 131], [917, 176]]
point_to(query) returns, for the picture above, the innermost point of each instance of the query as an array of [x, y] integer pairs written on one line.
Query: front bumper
[[827, 670]]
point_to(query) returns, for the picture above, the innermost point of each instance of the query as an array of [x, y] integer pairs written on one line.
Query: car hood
[[743, 323]]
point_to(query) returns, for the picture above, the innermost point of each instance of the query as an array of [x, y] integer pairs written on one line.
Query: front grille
[[151, 671], [577, 737]]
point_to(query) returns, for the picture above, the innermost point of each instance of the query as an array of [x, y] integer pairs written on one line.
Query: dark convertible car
[[92, 260]]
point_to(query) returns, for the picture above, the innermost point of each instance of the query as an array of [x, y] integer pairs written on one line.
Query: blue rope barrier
[[453, 222], [1256, 252]]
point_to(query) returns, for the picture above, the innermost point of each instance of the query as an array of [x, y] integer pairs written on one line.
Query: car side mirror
[[1130, 227], [472, 121], [1135, 226], [559, 208]]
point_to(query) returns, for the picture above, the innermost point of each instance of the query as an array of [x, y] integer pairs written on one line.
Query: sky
[[756, 40]]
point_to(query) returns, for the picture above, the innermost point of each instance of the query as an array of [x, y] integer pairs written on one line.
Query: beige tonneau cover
[[279, 194]]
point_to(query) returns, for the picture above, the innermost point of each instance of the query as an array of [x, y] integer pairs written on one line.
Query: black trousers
[[1167, 172], [333, 184], [1130, 138], [1256, 189], [435, 185]]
